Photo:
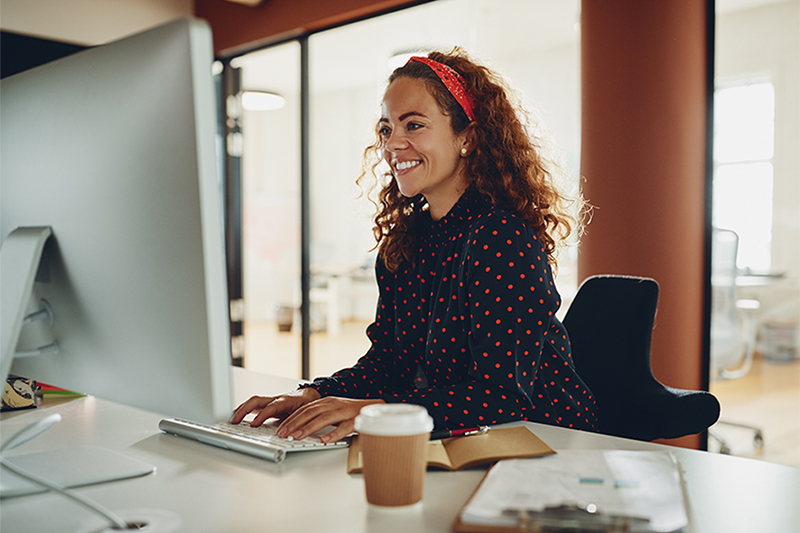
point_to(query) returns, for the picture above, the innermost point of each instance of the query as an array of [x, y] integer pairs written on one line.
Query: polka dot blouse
[[470, 330]]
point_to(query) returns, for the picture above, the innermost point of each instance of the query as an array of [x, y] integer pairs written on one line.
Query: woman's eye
[[411, 126], [383, 131]]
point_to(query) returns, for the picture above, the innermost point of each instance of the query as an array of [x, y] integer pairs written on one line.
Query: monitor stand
[[20, 256]]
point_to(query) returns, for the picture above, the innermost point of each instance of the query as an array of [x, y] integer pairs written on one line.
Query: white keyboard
[[262, 441]]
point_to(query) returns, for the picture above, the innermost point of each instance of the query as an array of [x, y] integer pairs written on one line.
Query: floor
[[767, 397], [272, 352]]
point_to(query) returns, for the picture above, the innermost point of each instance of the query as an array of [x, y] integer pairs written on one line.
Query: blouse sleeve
[[510, 303]]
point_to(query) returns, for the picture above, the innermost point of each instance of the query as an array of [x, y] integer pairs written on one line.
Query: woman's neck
[[442, 203]]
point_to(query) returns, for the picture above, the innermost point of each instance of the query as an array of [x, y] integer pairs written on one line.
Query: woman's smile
[[405, 165]]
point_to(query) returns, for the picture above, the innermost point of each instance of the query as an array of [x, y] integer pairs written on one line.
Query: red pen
[[447, 433]]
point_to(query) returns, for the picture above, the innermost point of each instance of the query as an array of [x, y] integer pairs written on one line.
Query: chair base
[[724, 448]]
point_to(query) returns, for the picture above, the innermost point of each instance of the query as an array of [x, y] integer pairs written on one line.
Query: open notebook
[[262, 442]]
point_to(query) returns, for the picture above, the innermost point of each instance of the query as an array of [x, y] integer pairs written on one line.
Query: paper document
[[642, 486]]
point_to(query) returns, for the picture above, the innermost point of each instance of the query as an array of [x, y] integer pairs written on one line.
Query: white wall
[[88, 22]]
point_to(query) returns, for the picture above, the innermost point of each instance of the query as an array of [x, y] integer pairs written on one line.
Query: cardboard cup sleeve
[[394, 468]]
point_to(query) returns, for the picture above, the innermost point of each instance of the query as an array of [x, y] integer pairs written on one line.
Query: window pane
[[743, 203], [271, 213], [744, 123]]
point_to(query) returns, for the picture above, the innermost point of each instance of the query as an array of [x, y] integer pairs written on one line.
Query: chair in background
[[733, 324], [610, 325], [733, 321]]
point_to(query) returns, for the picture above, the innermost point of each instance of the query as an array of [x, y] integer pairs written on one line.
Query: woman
[[467, 226]]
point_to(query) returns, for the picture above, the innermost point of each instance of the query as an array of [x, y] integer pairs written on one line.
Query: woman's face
[[421, 147]]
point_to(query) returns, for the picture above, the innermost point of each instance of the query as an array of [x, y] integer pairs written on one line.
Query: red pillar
[[644, 70]]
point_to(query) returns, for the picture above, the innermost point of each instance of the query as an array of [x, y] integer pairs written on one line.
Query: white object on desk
[[70, 467], [262, 441]]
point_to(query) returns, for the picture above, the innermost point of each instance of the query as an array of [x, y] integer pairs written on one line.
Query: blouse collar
[[468, 206]]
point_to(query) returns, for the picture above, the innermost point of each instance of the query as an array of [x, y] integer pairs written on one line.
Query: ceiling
[[91, 22], [358, 54]]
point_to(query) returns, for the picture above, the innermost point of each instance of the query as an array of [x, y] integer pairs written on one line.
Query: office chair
[[733, 325], [610, 325]]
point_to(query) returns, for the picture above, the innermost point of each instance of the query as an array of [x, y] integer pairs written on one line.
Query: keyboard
[[262, 442]]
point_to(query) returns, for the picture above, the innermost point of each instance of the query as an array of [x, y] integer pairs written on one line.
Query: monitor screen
[[114, 150]]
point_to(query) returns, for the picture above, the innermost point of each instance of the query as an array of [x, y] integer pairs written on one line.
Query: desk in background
[[217, 491]]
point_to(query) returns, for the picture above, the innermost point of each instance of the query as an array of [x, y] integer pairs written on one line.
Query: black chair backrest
[[610, 325]]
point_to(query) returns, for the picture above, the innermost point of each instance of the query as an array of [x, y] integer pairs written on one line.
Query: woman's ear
[[467, 141]]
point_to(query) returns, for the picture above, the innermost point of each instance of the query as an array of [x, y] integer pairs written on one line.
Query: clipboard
[[579, 490]]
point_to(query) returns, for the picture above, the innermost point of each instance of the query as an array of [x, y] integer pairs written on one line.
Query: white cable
[[117, 522], [50, 348], [31, 431]]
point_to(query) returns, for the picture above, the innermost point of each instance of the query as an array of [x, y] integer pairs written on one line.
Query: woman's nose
[[395, 141]]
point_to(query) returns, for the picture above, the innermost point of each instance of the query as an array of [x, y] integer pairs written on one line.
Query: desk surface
[[217, 491]]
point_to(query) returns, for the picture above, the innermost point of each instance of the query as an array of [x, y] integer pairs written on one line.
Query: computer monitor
[[114, 150]]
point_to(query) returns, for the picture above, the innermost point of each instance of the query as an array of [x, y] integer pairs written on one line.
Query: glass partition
[[271, 210], [755, 337]]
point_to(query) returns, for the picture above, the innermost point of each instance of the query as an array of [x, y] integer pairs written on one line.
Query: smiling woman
[[467, 227]]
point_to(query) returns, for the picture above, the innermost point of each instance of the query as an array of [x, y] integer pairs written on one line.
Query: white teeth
[[403, 165]]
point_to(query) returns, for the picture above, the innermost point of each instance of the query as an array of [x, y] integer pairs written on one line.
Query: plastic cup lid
[[394, 419]]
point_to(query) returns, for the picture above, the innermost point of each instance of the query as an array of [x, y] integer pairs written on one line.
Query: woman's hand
[[329, 411], [274, 406]]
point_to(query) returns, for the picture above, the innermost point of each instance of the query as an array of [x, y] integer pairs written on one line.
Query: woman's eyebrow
[[411, 114], [405, 116]]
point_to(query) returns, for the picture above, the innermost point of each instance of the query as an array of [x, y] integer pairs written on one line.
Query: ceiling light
[[262, 101]]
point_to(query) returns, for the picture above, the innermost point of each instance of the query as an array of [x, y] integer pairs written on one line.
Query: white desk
[[219, 491]]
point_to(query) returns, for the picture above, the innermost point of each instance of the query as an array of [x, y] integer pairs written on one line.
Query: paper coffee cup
[[394, 445]]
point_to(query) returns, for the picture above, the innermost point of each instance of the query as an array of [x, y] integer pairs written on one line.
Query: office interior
[[537, 43]]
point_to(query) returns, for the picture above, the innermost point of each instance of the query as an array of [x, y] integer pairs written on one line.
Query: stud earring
[[463, 151]]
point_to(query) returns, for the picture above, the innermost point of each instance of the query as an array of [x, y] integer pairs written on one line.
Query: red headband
[[453, 81]]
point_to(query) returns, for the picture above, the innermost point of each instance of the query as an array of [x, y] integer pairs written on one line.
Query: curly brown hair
[[506, 163]]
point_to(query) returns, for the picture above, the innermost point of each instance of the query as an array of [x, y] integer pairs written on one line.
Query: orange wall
[[643, 161], [237, 26]]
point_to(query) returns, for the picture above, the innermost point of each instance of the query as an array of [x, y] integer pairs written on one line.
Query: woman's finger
[[254, 403], [341, 431], [316, 415], [301, 422], [285, 404]]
